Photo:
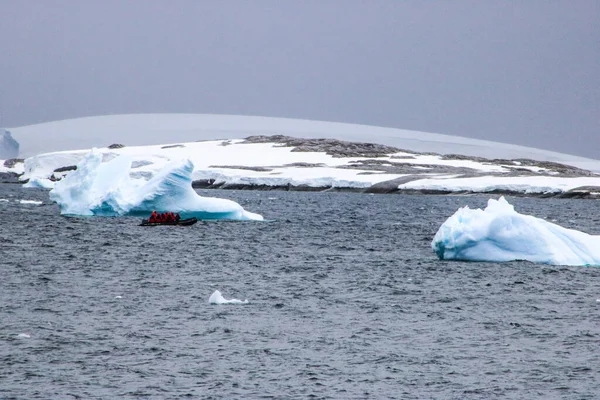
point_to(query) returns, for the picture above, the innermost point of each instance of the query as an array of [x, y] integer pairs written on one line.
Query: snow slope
[[154, 129]]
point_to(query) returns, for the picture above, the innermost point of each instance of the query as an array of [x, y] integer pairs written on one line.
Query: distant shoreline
[[590, 193], [578, 193], [284, 163]]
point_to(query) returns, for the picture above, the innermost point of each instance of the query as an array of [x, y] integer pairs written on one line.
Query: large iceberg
[[499, 233], [107, 189]]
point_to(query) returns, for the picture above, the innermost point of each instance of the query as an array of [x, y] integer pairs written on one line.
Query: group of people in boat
[[164, 217]]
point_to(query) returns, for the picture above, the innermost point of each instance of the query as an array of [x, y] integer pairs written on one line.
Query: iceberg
[[217, 298], [499, 233], [9, 147], [105, 188]]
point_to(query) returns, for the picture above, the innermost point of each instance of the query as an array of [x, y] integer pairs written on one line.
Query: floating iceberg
[[9, 147], [106, 189], [217, 298], [499, 233]]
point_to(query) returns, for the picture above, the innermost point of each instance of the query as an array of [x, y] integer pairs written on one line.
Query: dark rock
[[67, 168], [172, 146], [305, 165], [242, 167], [203, 183], [581, 192], [9, 177], [116, 146], [332, 147], [11, 162], [391, 186], [461, 157]]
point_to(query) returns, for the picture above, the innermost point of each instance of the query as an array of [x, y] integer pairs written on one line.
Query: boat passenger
[[177, 217]]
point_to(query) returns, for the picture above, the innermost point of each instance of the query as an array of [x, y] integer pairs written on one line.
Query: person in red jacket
[[152, 218]]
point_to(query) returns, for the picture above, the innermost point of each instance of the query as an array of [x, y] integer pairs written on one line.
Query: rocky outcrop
[[11, 162], [9, 177], [333, 147]]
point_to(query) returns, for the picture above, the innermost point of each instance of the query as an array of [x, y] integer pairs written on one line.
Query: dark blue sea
[[346, 301]]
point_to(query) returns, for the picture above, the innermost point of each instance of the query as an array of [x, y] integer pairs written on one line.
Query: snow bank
[[106, 188], [499, 233]]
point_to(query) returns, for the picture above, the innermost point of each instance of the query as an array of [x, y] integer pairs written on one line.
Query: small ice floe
[[24, 335], [36, 202], [118, 297], [4, 200], [217, 298]]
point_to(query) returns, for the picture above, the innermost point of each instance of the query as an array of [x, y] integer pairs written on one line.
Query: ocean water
[[346, 301]]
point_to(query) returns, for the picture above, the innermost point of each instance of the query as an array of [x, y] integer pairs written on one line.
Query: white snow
[[499, 233], [153, 129], [39, 168], [520, 184], [217, 298], [19, 168], [216, 160]]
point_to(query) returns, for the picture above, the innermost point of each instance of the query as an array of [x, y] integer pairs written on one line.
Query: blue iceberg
[[106, 189], [9, 147], [499, 233]]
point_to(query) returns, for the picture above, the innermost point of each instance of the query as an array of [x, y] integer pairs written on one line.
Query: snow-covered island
[[235, 152]]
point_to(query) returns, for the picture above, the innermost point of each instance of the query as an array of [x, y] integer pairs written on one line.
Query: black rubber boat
[[183, 222]]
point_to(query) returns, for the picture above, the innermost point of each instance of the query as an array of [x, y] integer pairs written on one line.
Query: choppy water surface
[[346, 301]]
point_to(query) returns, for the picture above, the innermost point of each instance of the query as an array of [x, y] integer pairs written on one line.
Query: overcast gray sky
[[523, 72]]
